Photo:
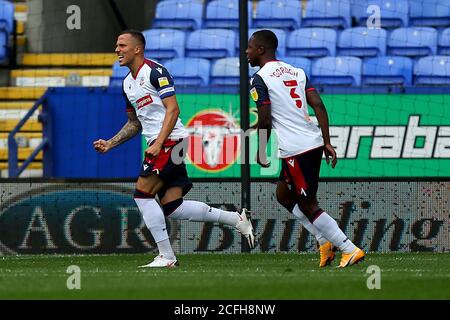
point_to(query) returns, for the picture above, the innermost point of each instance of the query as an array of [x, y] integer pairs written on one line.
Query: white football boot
[[245, 227], [161, 262]]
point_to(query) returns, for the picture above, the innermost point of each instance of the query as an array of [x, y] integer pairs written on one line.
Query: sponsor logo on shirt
[[144, 101]]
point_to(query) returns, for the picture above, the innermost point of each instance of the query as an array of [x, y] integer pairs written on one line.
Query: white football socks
[[331, 231], [308, 225], [156, 223], [199, 211]]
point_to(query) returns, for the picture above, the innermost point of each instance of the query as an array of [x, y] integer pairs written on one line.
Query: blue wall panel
[[81, 116]]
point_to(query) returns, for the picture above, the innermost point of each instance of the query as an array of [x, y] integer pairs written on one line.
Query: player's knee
[[308, 208], [140, 194], [170, 207], [287, 203]]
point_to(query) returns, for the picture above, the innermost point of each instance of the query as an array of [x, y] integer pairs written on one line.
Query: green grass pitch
[[225, 276]]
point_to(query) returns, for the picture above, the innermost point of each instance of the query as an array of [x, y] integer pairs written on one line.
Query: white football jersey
[[284, 87], [144, 94]]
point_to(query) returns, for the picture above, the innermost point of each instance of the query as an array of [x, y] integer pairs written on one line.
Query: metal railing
[[45, 118]]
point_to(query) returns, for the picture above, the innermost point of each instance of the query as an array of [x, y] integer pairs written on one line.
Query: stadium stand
[[189, 71], [430, 13], [362, 42], [434, 70], [179, 14], [412, 42], [340, 71], [393, 70], [224, 14], [211, 44], [277, 14], [225, 72], [312, 42], [327, 13], [444, 42], [395, 13], [300, 62], [164, 43]]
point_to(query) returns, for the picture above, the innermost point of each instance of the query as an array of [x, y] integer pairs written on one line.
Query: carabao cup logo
[[214, 140]]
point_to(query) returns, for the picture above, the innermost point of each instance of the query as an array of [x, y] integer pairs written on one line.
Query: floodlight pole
[[245, 111]]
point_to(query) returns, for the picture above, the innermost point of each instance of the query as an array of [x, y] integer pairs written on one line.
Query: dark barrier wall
[[80, 116], [87, 217], [47, 30]]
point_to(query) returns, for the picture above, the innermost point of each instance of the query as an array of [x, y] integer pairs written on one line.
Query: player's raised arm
[[317, 104], [128, 131]]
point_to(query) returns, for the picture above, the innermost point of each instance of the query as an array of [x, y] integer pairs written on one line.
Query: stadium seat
[[345, 71], [434, 70], [393, 13], [211, 43], [189, 71], [281, 36], [328, 14], [430, 13], [164, 43], [179, 14], [278, 14], [6, 27], [362, 42], [299, 62], [225, 71], [7, 16], [413, 41], [387, 70], [311, 42], [444, 42], [224, 14], [118, 74]]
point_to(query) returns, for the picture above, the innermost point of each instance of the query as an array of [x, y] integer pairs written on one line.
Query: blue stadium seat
[[299, 62], [211, 44], [434, 70], [6, 27], [345, 71], [224, 14], [413, 41], [431, 13], [281, 36], [189, 71], [225, 72], [118, 74], [444, 42], [179, 14], [164, 43], [393, 13], [362, 42], [387, 70], [311, 42], [328, 14], [282, 14], [7, 16]]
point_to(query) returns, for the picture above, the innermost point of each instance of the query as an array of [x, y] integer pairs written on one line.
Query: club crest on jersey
[[291, 162], [163, 81], [141, 83], [213, 140], [254, 94]]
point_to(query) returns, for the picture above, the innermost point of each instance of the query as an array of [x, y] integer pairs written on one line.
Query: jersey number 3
[[293, 84]]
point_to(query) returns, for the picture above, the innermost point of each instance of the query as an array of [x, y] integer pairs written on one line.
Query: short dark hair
[[135, 34], [266, 38]]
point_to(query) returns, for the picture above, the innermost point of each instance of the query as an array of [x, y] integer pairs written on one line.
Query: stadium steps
[[68, 60], [58, 77], [22, 154], [20, 93]]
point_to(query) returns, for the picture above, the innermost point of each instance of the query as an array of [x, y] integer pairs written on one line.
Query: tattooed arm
[[128, 131]]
